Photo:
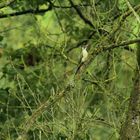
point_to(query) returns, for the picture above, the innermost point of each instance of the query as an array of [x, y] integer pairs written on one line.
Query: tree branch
[[87, 21], [30, 11], [44, 106], [130, 128], [127, 13], [99, 50], [133, 11], [68, 7], [7, 3], [113, 46], [84, 42]]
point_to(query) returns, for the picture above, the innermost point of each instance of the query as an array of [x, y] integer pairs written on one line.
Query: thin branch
[[84, 42], [75, 5], [128, 48], [99, 50], [87, 21], [122, 19], [124, 43], [136, 8], [7, 3], [124, 16], [133, 11], [92, 82], [127, 13], [40, 110], [69, 7], [30, 11]]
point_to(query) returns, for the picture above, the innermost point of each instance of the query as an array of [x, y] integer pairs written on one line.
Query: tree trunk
[[131, 128]]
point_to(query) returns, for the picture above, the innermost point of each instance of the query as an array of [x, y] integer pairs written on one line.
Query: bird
[[83, 58], [84, 54]]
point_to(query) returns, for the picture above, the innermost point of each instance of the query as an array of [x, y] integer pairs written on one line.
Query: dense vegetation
[[46, 93]]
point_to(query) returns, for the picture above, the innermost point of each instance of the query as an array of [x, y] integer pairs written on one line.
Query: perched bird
[[83, 58], [84, 54]]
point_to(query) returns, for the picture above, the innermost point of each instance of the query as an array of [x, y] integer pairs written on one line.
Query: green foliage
[[40, 54]]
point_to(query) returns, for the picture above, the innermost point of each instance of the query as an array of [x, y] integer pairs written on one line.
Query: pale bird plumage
[[83, 59], [84, 55]]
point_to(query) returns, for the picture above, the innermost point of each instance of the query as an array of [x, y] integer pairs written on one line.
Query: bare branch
[[133, 11], [124, 43], [127, 13], [30, 11], [68, 7], [103, 49], [87, 21], [50, 102], [7, 3], [84, 42]]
